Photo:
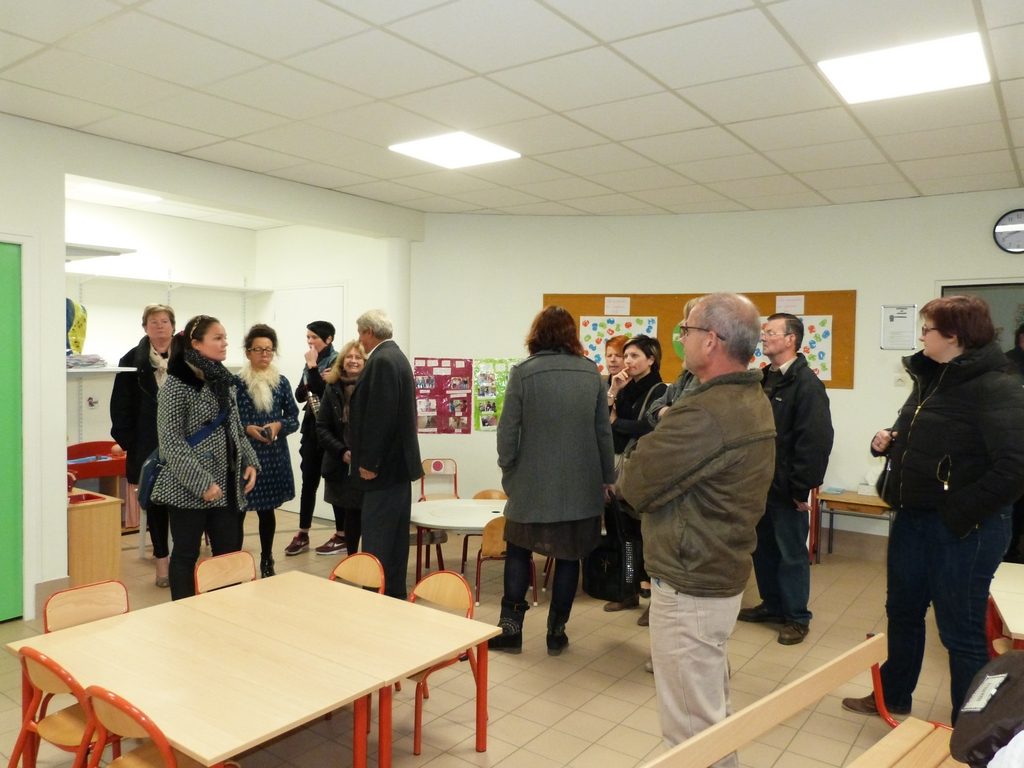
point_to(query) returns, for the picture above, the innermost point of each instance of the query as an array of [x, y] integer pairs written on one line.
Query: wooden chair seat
[[64, 727]]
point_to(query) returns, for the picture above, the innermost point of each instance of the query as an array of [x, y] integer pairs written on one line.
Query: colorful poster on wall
[[816, 346], [594, 331], [490, 379], [443, 394]]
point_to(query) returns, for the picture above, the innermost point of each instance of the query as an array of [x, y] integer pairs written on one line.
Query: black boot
[[557, 639], [511, 622], [266, 566]]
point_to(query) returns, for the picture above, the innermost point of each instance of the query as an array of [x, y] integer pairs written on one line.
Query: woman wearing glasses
[[955, 465], [203, 485], [269, 414]]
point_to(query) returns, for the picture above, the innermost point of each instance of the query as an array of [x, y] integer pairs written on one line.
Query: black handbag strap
[[619, 518], [204, 432]]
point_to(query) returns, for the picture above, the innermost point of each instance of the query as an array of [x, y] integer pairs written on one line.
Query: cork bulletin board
[[667, 308]]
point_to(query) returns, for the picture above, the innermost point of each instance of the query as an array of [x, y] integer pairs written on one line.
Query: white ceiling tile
[[285, 91], [541, 209], [385, 164], [320, 175], [156, 48], [1000, 13], [870, 193], [201, 111], [962, 139], [1017, 132], [681, 147], [13, 48], [497, 197], [745, 189], [830, 28], [603, 158], [672, 197], [151, 133], [860, 177], [608, 205], [793, 200], [838, 154], [379, 65], [1008, 51], [309, 142], [49, 107], [485, 36], [88, 79], [1013, 97], [386, 191], [560, 189], [928, 111], [281, 27], [644, 116], [797, 89], [522, 171], [720, 206], [723, 168], [973, 183], [614, 19], [470, 104], [239, 155], [446, 182], [982, 163], [820, 127], [580, 79], [50, 20], [384, 11], [380, 123], [537, 135], [650, 177], [442, 205], [730, 46]]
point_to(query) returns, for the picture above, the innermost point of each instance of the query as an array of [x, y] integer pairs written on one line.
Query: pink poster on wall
[[443, 396]]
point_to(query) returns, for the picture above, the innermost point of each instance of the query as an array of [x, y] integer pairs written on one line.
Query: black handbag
[[612, 571]]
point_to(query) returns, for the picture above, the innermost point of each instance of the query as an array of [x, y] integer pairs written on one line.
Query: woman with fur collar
[[268, 413]]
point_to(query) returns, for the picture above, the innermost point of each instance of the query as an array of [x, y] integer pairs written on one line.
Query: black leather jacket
[[958, 445]]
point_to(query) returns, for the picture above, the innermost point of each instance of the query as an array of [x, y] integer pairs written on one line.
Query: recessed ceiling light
[[454, 150], [936, 65], [89, 192]]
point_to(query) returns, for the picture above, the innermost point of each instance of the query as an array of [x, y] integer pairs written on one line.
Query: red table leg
[[384, 728], [361, 721], [481, 697]]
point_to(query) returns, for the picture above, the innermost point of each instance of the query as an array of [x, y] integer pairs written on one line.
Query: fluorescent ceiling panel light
[[454, 150], [89, 192], [936, 65]]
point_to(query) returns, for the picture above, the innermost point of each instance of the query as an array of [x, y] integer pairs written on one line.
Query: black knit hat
[[323, 329]]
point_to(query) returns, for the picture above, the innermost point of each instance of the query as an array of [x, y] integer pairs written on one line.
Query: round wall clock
[[1009, 231]]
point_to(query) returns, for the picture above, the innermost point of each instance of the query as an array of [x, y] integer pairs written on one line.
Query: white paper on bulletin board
[[616, 305], [794, 305]]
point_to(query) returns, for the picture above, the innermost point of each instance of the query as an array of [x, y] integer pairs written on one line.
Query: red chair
[[88, 602], [450, 591], [445, 469], [224, 571], [489, 493], [68, 728], [114, 718], [362, 570], [492, 547]]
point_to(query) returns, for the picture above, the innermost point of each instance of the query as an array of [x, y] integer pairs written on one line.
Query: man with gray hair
[[699, 482], [385, 449]]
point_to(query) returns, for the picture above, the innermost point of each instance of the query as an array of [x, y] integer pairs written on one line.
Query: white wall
[[494, 271]]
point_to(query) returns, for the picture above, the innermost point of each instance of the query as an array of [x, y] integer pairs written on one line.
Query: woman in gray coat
[[557, 462]]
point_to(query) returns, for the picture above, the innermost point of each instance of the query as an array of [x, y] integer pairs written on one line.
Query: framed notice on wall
[[899, 326]]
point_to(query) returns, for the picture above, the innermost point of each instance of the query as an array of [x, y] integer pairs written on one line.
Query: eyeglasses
[[262, 350], [926, 329], [773, 334], [685, 329]]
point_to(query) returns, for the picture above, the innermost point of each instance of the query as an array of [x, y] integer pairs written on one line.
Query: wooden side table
[[845, 503], [94, 537]]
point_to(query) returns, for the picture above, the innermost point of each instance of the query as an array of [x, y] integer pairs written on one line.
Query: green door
[[11, 539]]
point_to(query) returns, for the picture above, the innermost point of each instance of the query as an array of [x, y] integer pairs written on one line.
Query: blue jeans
[[517, 581], [928, 564], [781, 564]]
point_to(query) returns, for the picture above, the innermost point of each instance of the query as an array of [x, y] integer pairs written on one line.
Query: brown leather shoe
[[792, 633], [644, 620], [760, 615], [622, 605], [866, 706]]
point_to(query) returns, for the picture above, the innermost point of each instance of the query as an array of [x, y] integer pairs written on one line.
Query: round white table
[[467, 516]]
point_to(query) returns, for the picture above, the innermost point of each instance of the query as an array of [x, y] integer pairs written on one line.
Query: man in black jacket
[[803, 441], [385, 448]]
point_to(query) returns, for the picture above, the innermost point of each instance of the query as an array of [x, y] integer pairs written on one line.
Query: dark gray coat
[[554, 440]]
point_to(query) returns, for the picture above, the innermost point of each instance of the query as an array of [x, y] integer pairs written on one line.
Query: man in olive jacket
[[700, 481]]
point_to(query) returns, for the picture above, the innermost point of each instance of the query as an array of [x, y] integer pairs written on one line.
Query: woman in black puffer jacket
[[955, 464]]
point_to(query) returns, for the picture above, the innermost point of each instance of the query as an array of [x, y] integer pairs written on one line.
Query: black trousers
[[187, 528], [386, 516]]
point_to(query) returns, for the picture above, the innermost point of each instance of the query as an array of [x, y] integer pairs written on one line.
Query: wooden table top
[[470, 515], [228, 670], [1007, 592], [854, 501]]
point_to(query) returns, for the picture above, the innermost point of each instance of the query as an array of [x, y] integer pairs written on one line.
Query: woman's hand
[[882, 440], [347, 457], [311, 357], [275, 429], [617, 382], [213, 493], [256, 433], [250, 478]]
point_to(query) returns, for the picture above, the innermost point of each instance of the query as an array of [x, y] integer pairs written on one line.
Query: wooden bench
[[914, 742]]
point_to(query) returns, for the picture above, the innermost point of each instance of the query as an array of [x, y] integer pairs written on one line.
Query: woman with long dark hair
[[557, 466], [204, 485]]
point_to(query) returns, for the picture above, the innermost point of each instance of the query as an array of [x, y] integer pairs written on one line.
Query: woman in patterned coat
[[204, 486], [269, 413]]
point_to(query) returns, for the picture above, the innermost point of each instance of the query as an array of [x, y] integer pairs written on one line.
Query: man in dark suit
[[385, 448]]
